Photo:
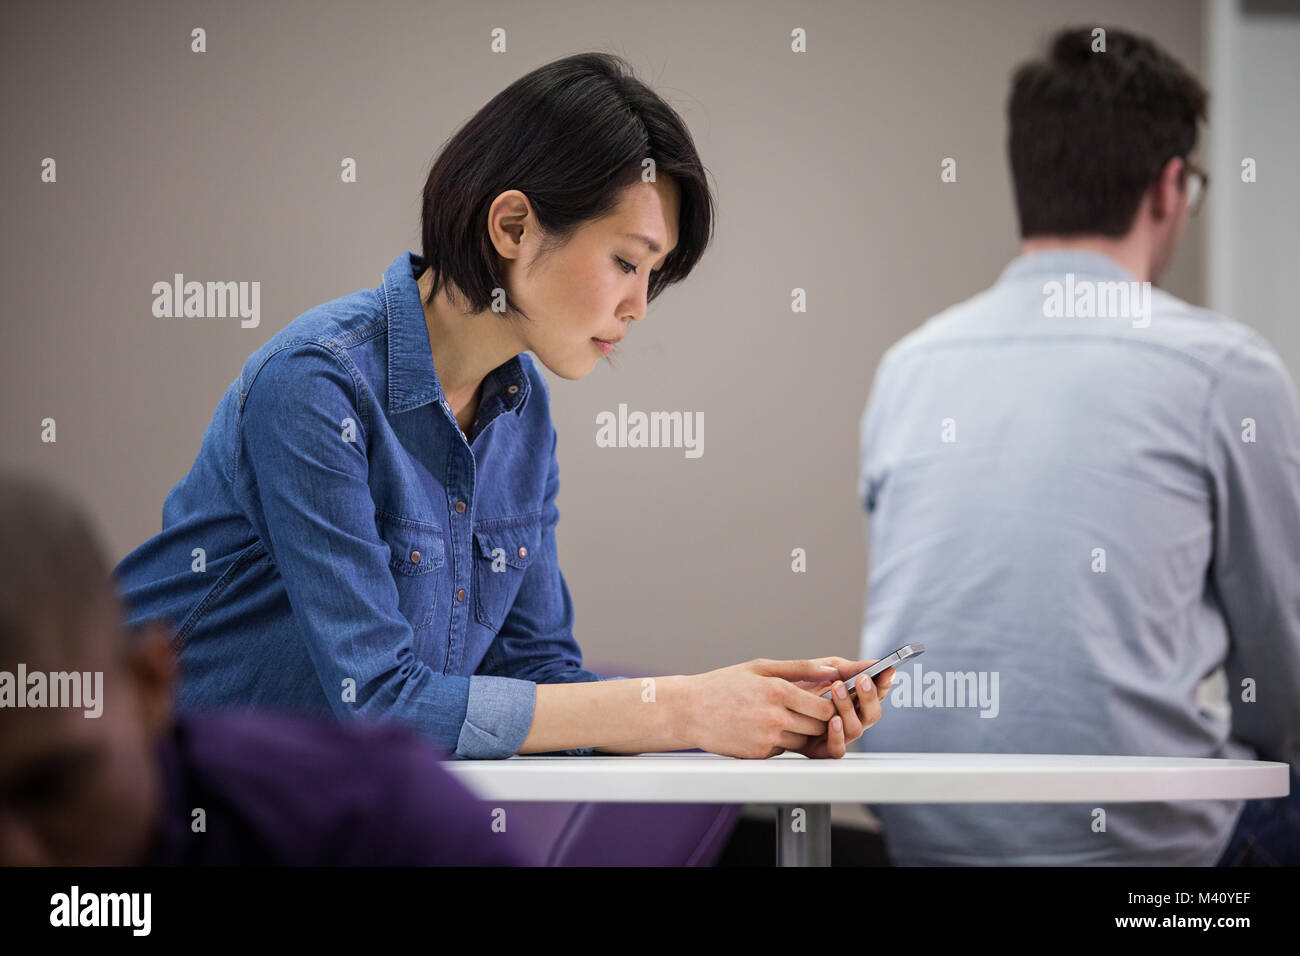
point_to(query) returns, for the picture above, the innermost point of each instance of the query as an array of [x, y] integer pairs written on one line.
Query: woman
[[369, 526]]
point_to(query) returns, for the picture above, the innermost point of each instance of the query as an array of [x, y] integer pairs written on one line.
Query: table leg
[[803, 835]]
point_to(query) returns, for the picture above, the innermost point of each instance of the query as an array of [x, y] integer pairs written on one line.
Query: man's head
[[1100, 137], [74, 789]]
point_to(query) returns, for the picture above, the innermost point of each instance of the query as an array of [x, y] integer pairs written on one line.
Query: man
[[95, 771], [1084, 493]]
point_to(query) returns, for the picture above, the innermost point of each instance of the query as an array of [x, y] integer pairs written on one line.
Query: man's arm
[[1253, 439]]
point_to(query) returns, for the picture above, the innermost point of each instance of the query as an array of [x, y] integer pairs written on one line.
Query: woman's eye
[[628, 267]]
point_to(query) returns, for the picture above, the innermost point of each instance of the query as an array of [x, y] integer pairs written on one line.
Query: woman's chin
[[572, 367]]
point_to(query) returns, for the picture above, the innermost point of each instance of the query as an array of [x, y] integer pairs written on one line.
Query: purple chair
[[622, 834]]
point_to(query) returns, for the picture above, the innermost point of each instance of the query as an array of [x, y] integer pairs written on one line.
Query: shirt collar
[[412, 379], [1058, 261]]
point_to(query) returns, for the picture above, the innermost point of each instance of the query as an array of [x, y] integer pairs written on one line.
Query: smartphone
[[900, 655]]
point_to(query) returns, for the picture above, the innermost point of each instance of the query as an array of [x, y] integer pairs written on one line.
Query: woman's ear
[[151, 667]]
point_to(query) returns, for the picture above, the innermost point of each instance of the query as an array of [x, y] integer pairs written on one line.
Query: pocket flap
[[518, 543], [415, 546]]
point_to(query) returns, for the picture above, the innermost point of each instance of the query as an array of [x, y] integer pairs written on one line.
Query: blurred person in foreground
[[95, 770]]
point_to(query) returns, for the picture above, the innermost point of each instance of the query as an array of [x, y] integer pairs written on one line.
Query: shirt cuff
[[497, 717]]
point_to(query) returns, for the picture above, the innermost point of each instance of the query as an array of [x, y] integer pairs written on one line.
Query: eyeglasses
[[1198, 181]]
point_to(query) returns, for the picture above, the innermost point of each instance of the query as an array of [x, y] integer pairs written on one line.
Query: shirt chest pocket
[[503, 553], [415, 558]]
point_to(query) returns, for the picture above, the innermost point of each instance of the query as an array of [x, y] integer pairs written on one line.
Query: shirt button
[[512, 389], [460, 595], [415, 557], [523, 552], [460, 507]]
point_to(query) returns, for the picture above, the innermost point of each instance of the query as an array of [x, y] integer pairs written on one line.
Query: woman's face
[[595, 285]]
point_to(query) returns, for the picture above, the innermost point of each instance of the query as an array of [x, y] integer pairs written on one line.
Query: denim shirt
[[339, 546]]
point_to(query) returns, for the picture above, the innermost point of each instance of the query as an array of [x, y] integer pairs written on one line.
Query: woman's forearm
[[613, 716], [650, 745]]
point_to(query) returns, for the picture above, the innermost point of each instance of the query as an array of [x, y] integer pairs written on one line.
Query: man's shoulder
[[1207, 335], [1195, 333], [954, 322]]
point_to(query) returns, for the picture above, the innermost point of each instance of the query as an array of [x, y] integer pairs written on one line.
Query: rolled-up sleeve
[[302, 477], [1254, 455], [497, 718]]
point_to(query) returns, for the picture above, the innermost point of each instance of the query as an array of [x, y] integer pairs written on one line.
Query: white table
[[792, 781]]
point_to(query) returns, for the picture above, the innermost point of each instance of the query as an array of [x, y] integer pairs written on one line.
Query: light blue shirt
[[340, 547], [1088, 513]]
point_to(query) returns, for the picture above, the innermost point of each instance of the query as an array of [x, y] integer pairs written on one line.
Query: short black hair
[[55, 586], [1090, 131], [570, 135]]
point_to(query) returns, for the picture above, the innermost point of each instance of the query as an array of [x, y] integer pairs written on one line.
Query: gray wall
[[1253, 61], [225, 166]]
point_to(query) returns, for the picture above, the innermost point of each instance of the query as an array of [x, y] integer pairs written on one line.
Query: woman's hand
[[756, 709], [851, 718]]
